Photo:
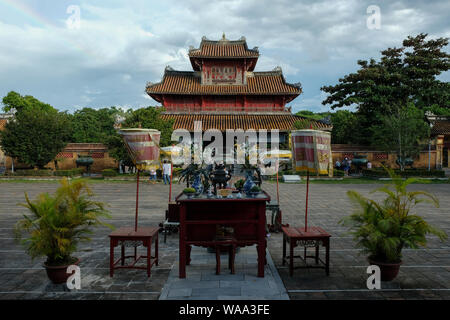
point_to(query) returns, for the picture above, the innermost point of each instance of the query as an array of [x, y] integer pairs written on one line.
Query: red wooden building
[[224, 91]]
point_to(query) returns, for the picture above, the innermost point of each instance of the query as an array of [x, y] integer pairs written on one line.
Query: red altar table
[[200, 217]]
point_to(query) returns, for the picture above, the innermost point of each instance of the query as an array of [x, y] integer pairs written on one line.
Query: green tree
[[145, 118], [35, 136], [90, 125], [344, 124], [404, 74], [117, 150], [14, 102], [150, 118], [312, 115], [403, 133]]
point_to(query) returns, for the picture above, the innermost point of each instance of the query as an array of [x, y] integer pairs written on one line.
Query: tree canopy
[[403, 75], [90, 125], [145, 118], [35, 136], [150, 118], [14, 102], [404, 133]]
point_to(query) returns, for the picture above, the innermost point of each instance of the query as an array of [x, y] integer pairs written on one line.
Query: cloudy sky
[[118, 46]]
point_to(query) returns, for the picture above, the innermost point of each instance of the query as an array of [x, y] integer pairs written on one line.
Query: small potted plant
[[255, 190], [57, 224], [189, 192], [239, 185], [383, 229]]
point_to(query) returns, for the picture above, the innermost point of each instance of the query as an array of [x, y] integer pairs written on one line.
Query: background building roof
[[223, 48], [281, 121], [189, 82]]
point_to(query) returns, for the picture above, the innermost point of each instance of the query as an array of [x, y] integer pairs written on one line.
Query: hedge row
[[378, 173], [336, 173], [69, 173], [32, 172], [46, 173], [109, 172]]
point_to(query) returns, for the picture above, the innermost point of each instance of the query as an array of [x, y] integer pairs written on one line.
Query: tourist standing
[[345, 166], [166, 172], [152, 176], [338, 164], [369, 165]]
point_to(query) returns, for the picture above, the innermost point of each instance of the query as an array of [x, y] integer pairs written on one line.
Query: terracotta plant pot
[[58, 274], [388, 270]]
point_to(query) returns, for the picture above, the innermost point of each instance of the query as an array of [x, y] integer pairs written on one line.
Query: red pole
[[137, 202], [278, 191], [307, 190], [170, 184]]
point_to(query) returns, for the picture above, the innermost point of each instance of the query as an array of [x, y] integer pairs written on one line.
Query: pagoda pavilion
[[224, 92]]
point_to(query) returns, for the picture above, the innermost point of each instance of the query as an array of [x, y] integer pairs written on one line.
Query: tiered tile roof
[[224, 48], [281, 121], [189, 82]]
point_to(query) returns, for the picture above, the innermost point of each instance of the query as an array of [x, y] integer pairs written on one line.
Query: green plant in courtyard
[[383, 229], [58, 222]]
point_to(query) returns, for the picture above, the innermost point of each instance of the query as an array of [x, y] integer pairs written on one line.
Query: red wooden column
[[261, 247], [182, 243]]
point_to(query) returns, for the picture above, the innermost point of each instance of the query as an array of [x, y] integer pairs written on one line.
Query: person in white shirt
[[166, 172], [369, 165], [152, 176]]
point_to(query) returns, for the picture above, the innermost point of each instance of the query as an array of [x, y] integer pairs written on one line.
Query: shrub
[[58, 222], [34, 173], [378, 173], [382, 229], [68, 173], [109, 173]]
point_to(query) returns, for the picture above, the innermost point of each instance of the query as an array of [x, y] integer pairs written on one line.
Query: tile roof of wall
[[441, 127]]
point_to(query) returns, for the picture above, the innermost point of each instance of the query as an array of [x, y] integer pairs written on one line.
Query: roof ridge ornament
[[277, 69], [298, 85]]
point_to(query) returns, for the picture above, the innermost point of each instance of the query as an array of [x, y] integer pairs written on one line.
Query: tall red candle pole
[[278, 191], [137, 202], [170, 184], [307, 191], [171, 176]]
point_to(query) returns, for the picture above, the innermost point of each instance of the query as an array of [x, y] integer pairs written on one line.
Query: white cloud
[[122, 46]]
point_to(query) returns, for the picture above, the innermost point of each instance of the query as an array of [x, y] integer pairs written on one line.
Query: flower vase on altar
[[249, 183], [197, 185]]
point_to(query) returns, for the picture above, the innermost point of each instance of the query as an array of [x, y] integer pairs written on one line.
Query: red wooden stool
[[144, 235], [231, 246], [313, 237]]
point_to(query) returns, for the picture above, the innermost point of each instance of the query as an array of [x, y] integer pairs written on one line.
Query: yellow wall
[[420, 162]]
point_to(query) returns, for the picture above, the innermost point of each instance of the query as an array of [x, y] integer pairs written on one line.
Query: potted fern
[[57, 224], [383, 229]]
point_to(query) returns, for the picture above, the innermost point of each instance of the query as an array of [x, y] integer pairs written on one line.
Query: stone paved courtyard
[[425, 273]]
